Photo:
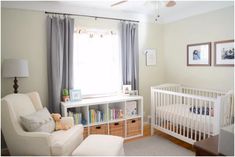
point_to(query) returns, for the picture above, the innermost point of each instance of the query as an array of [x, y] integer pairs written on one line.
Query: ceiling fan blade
[[170, 3], [120, 2]]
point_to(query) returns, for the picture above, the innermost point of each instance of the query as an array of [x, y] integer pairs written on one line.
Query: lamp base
[[15, 86]]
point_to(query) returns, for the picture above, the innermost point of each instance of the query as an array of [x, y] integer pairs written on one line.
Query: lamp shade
[[15, 68]]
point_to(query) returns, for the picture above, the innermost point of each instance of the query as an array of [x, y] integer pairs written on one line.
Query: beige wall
[[24, 37], [210, 27], [150, 36]]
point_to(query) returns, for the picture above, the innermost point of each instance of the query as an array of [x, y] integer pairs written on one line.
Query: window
[[97, 68]]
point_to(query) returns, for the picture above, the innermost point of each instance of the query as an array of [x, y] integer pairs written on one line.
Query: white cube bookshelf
[[104, 104]]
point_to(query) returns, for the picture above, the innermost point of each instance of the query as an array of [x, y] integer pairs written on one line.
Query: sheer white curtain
[[97, 63]]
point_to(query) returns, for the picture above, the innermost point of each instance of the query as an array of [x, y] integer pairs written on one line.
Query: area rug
[[155, 146]]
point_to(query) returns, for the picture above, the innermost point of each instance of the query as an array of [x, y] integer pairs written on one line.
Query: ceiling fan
[[118, 3], [167, 3]]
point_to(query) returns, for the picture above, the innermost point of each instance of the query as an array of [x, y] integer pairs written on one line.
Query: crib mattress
[[180, 114]]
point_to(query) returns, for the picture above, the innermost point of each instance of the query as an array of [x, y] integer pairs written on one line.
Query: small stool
[[100, 145]]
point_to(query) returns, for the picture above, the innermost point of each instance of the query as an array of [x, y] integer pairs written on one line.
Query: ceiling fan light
[[170, 3]]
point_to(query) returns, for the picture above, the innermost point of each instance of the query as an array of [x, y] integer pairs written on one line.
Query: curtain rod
[[100, 17]]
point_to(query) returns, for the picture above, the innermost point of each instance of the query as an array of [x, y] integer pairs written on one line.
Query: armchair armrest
[[38, 143], [35, 134], [69, 121]]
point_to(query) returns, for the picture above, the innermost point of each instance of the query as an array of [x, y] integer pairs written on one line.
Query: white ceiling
[[137, 10]]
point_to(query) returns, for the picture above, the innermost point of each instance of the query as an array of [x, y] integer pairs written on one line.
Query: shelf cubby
[[73, 112], [116, 111], [97, 114]]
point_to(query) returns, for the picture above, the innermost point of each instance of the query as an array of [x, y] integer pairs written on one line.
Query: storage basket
[[85, 132], [99, 129], [117, 129], [133, 127]]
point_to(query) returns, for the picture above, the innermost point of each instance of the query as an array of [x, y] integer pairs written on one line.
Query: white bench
[[100, 145]]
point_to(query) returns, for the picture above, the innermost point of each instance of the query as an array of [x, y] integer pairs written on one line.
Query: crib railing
[[227, 108], [190, 90], [202, 92], [169, 87], [197, 114]]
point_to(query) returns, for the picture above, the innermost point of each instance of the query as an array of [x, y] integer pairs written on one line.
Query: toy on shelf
[[65, 95], [131, 108]]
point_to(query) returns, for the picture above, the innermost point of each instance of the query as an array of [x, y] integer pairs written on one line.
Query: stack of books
[[96, 116], [76, 116], [115, 114]]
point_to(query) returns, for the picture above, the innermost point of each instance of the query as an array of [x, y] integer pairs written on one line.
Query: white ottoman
[[100, 145]]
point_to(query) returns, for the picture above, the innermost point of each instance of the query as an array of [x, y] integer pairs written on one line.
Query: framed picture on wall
[[224, 53], [199, 54]]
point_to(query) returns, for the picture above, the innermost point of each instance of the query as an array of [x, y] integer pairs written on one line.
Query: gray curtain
[[130, 54], [60, 58]]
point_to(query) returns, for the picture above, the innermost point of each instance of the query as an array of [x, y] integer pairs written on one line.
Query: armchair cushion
[[65, 141], [40, 121]]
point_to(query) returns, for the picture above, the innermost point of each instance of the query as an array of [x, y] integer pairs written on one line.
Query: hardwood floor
[[147, 133]]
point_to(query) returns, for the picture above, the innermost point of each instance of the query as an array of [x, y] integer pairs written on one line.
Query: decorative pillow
[[40, 121]]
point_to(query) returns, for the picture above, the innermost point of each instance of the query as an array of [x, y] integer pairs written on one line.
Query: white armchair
[[21, 142]]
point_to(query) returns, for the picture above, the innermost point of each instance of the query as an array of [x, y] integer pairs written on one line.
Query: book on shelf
[[96, 116], [115, 114], [77, 117]]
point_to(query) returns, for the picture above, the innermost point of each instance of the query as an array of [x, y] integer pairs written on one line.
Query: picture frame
[[126, 89], [199, 54], [224, 53], [134, 92], [75, 94], [151, 57]]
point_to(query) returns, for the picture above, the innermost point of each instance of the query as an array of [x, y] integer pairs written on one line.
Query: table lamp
[[15, 68]]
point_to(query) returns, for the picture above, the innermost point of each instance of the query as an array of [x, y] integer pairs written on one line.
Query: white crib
[[190, 114]]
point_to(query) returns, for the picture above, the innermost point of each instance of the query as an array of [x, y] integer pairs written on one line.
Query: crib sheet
[[180, 114]]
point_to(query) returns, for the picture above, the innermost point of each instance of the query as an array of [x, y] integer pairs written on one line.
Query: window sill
[[100, 95]]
